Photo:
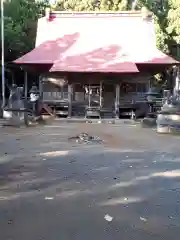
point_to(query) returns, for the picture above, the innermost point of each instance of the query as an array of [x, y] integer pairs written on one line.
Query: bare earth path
[[52, 188]]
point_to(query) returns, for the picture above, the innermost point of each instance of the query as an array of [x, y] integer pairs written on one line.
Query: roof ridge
[[95, 12], [50, 13]]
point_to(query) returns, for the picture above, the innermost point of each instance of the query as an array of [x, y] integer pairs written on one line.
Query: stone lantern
[[152, 96]]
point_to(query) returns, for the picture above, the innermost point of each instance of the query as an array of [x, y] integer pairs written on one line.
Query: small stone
[[108, 218], [143, 219], [72, 161], [125, 199], [115, 178], [10, 221], [49, 198], [130, 166], [126, 206]]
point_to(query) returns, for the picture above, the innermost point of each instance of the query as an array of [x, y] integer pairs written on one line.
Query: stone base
[[14, 121], [163, 129], [168, 123], [173, 129]]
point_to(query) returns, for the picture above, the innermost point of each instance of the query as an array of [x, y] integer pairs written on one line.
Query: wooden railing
[[132, 98], [55, 96]]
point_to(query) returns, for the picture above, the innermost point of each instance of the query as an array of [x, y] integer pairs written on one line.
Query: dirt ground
[[52, 188]]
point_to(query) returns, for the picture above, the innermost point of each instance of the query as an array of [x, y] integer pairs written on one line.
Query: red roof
[[105, 59], [95, 42], [50, 51]]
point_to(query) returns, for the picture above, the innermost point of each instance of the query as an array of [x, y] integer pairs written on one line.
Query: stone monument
[[15, 106]]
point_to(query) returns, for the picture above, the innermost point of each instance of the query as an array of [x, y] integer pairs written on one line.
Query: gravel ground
[[53, 188]]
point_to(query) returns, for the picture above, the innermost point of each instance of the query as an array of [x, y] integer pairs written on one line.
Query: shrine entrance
[[93, 95], [94, 100]]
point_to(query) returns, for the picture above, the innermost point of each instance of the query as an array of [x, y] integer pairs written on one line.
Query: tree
[[173, 20], [92, 5], [167, 22], [20, 20]]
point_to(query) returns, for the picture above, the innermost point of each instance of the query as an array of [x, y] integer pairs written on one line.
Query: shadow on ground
[[70, 192]]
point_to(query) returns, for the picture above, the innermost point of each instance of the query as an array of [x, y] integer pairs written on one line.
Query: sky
[[52, 1]]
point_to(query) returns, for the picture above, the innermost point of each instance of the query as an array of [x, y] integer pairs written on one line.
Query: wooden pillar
[[41, 87], [117, 101], [89, 96], [73, 92], [12, 75], [25, 85], [25, 96], [148, 84], [100, 95], [39, 101], [70, 92]]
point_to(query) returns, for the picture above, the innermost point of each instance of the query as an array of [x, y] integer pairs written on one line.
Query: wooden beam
[[117, 102], [25, 96], [70, 91]]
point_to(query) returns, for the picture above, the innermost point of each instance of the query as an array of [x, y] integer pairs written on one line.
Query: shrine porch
[[95, 95]]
